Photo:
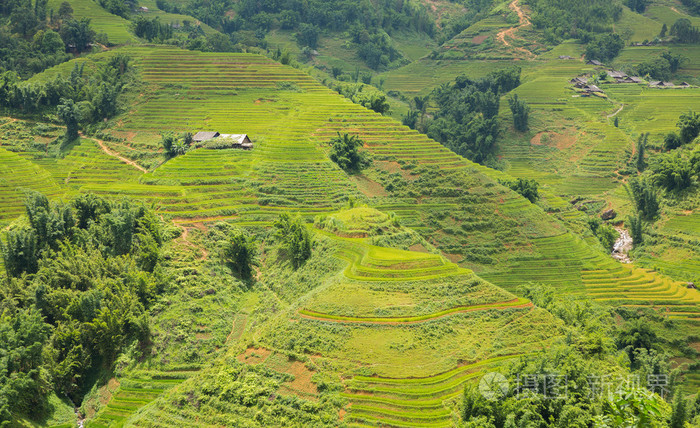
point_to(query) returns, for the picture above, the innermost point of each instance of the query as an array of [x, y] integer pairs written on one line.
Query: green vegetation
[[80, 278], [345, 152], [241, 254], [297, 283], [466, 121]]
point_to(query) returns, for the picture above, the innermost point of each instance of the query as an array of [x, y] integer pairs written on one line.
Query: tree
[[607, 235], [526, 187], [77, 34], [68, 113], [674, 60], [345, 152], [65, 11], [241, 254], [637, 334], [688, 126], [642, 193], [672, 141], [684, 31], [640, 149], [636, 225], [678, 411], [23, 21], [664, 29], [604, 47], [616, 122], [295, 238], [672, 171], [520, 112], [308, 35], [638, 6], [19, 252]]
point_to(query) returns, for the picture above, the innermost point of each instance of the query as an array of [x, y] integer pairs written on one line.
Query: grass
[[451, 226], [115, 27]]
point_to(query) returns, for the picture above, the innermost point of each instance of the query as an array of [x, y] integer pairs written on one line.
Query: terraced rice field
[[117, 28], [290, 118], [409, 389], [18, 175], [133, 394], [411, 402]]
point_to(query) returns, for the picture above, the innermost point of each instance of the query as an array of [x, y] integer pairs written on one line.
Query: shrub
[[345, 153], [295, 238], [240, 253]]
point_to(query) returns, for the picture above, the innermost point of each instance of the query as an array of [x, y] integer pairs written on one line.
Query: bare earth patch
[[477, 40], [368, 187], [419, 248], [554, 139], [254, 356]]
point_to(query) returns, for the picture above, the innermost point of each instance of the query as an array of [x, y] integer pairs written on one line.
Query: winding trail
[[105, 149], [518, 303], [190, 244], [510, 32], [615, 114]]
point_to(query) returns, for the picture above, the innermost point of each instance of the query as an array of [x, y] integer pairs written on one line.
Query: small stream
[[622, 246]]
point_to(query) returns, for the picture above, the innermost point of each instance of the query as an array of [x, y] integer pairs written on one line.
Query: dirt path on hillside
[[190, 244], [12, 120], [615, 114], [105, 149], [358, 320], [510, 32]]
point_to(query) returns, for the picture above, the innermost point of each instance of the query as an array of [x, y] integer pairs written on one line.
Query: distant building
[[684, 85], [594, 62], [630, 79], [237, 140], [667, 84], [579, 82], [143, 9], [654, 83], [215, 140], [203, 136], [617, 74], [592, 88], [565, 57]]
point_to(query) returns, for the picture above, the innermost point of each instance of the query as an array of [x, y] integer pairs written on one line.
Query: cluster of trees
[[152, 29], [374, 48], [569, 384], [661, 67], [693, 5], [526, 187], [363, 94], [253, 19], [677, 170], [80, 279], [604, 47], [606, 234], [521, 113], [639, 6], [83, 97], [33, 38], [345, 151], [174, 146], [122, 8], [295, 239], [684, 31], [466, 120], [563, 19], [295, 242]]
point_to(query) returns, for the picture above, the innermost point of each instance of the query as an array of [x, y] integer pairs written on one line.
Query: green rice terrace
[[208, 219]]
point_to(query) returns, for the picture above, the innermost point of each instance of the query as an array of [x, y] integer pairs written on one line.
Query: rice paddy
[[407, 327]]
